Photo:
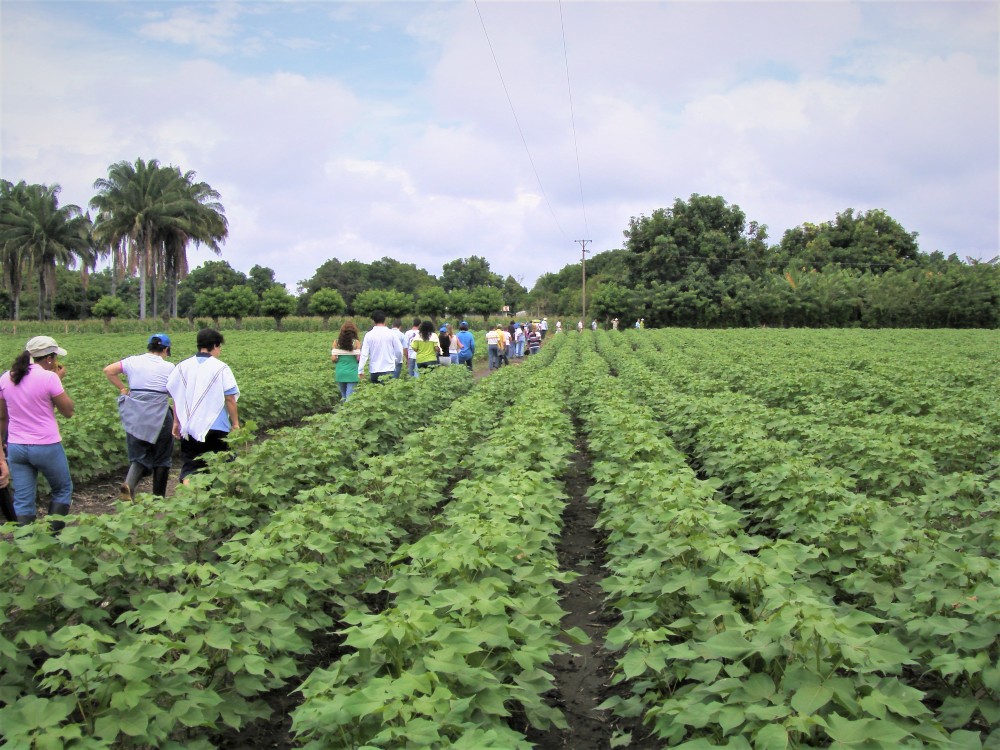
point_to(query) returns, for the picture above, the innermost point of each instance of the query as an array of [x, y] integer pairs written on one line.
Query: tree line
[[699, 262]]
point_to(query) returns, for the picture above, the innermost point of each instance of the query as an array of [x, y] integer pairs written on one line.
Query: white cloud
[[794, 111]]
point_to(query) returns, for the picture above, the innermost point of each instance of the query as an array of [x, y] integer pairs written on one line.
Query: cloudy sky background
[[362, 130]]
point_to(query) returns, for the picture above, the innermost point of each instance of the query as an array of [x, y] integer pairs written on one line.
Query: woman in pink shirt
[[28, 393]]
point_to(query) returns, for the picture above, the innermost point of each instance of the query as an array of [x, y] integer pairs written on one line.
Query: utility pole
[[583, 294]]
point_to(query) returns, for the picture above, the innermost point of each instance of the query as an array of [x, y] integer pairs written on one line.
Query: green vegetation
[[699, 263], [801, 546]]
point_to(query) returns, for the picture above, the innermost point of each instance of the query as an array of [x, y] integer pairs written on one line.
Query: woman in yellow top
[[425, 347]]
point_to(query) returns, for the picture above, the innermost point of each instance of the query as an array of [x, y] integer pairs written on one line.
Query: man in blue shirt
[[468, 344]]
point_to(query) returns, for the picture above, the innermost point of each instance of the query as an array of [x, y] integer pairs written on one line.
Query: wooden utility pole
[[583, 291]]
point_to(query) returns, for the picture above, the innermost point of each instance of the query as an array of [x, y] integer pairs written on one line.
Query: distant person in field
[[382, 347], [397, 328], [534, 340], [205, 393], [493, 338], [345, 354], [144, 407], [411, 361], [30, 394], [467, 344], [455, 347], [444, 341], [425, 348]]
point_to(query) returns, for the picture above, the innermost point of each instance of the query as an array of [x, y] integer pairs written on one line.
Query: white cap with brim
[[43, 346]]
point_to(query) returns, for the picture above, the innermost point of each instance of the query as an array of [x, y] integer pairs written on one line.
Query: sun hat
[[164, 339], [42, 346]]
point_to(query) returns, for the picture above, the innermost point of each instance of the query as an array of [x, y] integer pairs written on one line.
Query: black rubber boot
[[25, 520], [7, 505], [160, 476], [57, 509], [135, 473]]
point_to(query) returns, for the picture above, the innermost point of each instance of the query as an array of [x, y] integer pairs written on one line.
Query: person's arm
[[364, 357], [63, 404], [4, 421], [113, 373], [232, 411]]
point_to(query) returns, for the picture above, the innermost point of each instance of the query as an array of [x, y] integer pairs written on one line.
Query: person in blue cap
[[144, 407], [444, 341], [468, 344]]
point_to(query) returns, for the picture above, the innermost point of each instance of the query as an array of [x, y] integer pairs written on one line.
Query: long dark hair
[[347, 336], [20, 367], [426, 329]]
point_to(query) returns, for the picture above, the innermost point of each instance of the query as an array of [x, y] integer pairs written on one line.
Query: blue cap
[[164, 339], [443, 329]]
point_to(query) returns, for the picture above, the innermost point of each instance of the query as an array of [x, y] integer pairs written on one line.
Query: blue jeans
[[25, 462], [397, 371], [411, 366], [493, 355], [346, 389]]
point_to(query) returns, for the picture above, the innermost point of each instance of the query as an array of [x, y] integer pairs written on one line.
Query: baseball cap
[[164, 339], [42, 346]]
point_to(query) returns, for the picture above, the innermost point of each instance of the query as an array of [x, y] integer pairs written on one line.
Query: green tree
[[394, 304], [703, 231], [108, 307], [212, 273], [326, 303], [433, 301], [241, 302], [468, 274], [201, 219], [277, 303], [37, 233], [213, 302], [349, 278], [873, 241], [261, 279], [153, 213], [613, 301], [486, 301], [459, 302]]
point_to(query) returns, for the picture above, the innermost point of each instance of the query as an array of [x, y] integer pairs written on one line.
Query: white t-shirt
[[147, 372]]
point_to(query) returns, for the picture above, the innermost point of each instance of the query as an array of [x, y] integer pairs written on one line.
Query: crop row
[[474, 615], [893, 619], [154, 572]]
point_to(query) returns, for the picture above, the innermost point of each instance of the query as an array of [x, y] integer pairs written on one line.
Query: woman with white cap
[[28, 393], [144, 407]]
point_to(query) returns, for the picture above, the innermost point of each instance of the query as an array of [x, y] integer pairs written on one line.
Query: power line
[[572, 117], [517, 122]]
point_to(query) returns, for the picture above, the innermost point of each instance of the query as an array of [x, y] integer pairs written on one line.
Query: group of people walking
[[194, 402], [385, 348]]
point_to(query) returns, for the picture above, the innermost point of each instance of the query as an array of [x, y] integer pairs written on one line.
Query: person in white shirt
[[144, 407], [411, 359], [205, 394], [382, 347], [397, 328]]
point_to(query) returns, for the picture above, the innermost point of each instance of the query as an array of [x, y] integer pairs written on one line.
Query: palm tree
[[155, 212], [13, 261], [36, 233], [205, 223]]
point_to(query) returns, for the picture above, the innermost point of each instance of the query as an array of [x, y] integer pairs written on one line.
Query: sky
[[432, 131]]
